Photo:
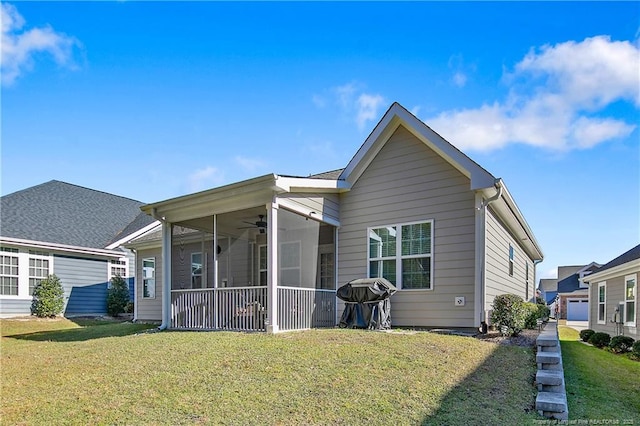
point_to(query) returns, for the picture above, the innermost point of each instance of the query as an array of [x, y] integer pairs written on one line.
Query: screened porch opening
[[220, 272]]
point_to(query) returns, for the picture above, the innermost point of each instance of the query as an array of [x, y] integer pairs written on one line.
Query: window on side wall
[[511, 257], [196, 270], [630, 288], [118, 267], [149, 278], [38, 268], [8, 271], [602, 303], [402, 253]]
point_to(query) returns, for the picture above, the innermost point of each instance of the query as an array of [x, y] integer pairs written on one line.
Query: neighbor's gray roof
[[625, 257], [63, 213]]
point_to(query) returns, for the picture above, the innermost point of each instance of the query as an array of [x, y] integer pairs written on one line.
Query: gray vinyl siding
[[14, 307], [149, 308], [84, 281], [409, 182], [497, 278], [327, 204], [614, 294]]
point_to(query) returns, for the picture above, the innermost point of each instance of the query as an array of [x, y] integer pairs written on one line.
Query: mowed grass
[[600, 385], [60, 372]]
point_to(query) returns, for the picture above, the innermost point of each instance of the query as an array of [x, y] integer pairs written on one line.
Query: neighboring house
[[572, 299], [548, 288], [268, 253], [614, 294], [73, 232]]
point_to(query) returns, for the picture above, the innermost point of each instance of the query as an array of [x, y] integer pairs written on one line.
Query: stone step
[[550, 377], [552, 404], [548, 358], [547, 340]]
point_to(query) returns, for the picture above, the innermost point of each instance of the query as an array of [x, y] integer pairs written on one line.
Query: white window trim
[[38, 255], [153, 295], [114, 263], [266, 262], [604, 319], [11, 253], [398, 257], [512, 256], [23, 270], [201, 269], [633, 277]]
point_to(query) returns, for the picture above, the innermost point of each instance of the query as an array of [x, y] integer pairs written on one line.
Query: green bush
[[48, 298], [543, 311], [117, 296], [509, 310], [532, 315], [635, 349], [621, 344], [599, 339], [585, 335]]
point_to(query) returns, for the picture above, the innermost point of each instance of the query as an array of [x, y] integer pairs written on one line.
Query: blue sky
[[156, 100]]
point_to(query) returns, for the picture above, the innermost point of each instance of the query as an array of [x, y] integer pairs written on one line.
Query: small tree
[[48, 298], [117, 296], [509, 311]]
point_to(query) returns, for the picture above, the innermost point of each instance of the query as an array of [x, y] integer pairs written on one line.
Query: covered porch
[[247, 258]]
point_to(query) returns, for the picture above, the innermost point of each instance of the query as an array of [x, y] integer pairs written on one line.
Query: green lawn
[[61, 372], [600, 385]]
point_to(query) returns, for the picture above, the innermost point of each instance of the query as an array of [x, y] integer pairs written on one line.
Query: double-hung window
[[402, 254], [630, 288], [196, 270], [511, 258], [602, 302], [38, 268], [8, 271], [149, 277]]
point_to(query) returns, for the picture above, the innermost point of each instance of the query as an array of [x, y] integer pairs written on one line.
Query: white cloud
[[206, 178], [367, 109], [18, 47], [459, 79], [557, 98], [249, 164], [355, 103]]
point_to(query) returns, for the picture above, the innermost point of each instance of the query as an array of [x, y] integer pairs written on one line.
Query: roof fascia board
[[623, 269], [393, 118], [133, 235], [60, 247], [236, 196], [294, 184]]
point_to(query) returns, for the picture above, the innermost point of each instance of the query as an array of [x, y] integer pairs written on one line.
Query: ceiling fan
[[260, 224]]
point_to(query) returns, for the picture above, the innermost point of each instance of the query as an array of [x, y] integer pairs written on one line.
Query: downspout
[[164, 325], [497, 183]]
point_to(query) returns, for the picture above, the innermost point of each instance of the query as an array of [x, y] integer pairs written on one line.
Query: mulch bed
[[526, 338]]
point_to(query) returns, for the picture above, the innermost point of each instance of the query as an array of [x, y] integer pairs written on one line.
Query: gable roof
[[625, 257], [66, 214], [397, 115]]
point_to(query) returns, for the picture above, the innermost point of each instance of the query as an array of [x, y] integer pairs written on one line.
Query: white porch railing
[[303, 308], [230, 308], [245, 308]]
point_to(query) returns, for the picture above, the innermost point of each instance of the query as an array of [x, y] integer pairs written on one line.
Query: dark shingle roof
[[569, 284], [625, 257], [63, 213], [139, 222], [333, 174]]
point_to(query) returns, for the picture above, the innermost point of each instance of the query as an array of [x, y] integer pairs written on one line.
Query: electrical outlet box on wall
[[459, 301]]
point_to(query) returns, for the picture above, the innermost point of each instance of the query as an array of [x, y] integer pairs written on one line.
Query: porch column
[[167, 234], [215, 271], [272, 265]]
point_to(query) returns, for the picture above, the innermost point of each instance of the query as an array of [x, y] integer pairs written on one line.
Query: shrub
[[635, 349], [543, 311], [48, 298], [585, 335], [509, 311], [532, 315], [599, 339], [117, 296], [621, 344]]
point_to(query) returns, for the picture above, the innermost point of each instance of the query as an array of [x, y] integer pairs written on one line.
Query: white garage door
[[577, 310]]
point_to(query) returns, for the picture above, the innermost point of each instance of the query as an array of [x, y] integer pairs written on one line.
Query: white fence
[[245, 308]]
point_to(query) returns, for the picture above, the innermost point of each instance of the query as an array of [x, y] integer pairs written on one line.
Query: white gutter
[[61, 247], [133, 235], [482, 291]]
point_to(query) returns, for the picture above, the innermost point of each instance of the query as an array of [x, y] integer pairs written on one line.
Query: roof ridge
[[76, 186]]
